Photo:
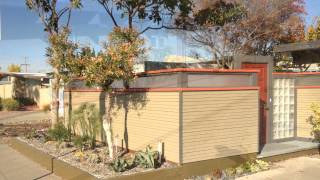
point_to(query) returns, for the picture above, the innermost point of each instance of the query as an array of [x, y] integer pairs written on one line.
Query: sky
[[22, 36]]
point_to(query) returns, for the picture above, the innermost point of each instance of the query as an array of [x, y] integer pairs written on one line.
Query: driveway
[[14, 165], [16, 117], [301, 168]]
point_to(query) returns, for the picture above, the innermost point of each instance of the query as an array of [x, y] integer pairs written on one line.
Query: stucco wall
[[305, 97], [28, 88], [219, 124], [45, 95], [6, 91]]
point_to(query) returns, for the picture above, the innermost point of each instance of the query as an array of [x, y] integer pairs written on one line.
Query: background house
[[34, 86]]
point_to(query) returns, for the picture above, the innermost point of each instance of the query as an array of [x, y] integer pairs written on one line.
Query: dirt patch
[[14, 130]]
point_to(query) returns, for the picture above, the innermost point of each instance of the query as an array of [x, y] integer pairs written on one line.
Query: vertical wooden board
[[305, 97], [146, 119]]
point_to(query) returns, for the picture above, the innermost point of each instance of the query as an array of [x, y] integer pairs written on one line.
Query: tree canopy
[[14, 68], [250, 27], [313, 32], [157, 13], [114, 62], [51, 16]]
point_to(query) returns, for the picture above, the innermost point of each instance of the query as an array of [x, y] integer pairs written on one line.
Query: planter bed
[[93, 162]]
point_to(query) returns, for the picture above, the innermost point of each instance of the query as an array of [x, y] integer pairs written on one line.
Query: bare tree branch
[[105, 5]]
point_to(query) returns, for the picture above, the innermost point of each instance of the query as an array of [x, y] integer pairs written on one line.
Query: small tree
[[14, 68], [314, 121], [60, 48], [114, 62], [313, 32]]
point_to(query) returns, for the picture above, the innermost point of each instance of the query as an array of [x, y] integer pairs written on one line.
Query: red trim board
[[168, 89], [308, 87], [296, 73]]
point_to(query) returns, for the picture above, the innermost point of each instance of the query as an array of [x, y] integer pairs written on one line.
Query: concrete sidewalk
[[301, 168], [14, 165]]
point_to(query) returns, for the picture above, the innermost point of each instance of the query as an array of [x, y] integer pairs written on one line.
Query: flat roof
[[299, 46], [203, 70], [24, 75]]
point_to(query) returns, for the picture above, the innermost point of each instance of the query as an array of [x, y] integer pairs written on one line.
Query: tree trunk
[[130, 21], [55, 101], [108, 128]]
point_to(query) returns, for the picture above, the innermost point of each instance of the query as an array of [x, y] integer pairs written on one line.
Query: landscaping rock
[[65, 145], [79, 156], [50, 142], [94, 158], [95, 161]]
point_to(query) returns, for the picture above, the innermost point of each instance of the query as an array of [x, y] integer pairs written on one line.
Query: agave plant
[[147, 159], [120, 165]]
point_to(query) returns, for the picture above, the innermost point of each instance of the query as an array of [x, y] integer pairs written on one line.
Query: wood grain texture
[[219, 124], [305, 97]]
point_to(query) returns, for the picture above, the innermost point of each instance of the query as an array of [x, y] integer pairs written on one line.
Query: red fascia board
[[296, 73], [200, 70], [168, 89], [308, 87]]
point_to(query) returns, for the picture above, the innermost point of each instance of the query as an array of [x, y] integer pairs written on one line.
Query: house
[[35, 86], [209, 118]]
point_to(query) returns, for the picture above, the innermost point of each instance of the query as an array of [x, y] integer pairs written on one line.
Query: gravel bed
[[95, 162]]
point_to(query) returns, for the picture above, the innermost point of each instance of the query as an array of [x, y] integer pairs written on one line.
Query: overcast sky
[[22, 34]]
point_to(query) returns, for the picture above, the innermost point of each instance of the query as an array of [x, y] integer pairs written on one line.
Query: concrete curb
[[66, 171], [60, 168]]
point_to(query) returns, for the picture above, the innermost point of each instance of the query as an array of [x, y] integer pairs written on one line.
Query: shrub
[[31, 134], [147, 159], [120, 165], [24, 101], [252, 167], [46, 108], [10, 104], [58, 133], [314, 120], [88, 119], [80, 141]]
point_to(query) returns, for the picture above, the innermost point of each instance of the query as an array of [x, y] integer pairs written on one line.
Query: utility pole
[[25, 64]]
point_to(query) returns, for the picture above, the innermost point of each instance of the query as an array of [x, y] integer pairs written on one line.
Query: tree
[[250, 27], [114, 62], [211, 27], [318, 29], [313, 32], [159, 12], [56, 22], [124, 44], [14, 68]]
